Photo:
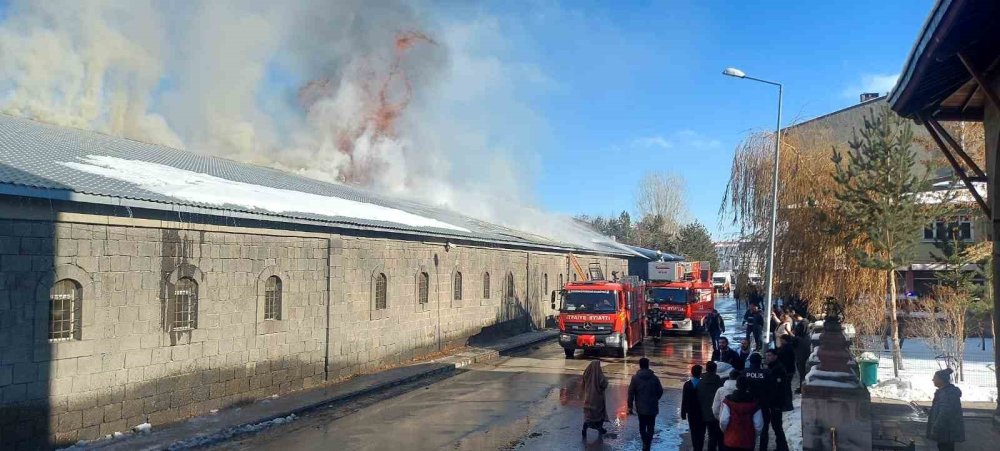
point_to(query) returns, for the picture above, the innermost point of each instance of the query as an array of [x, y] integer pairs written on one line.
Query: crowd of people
[[741, 411]]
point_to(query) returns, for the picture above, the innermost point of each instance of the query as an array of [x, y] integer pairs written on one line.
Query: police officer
[[779, 381]]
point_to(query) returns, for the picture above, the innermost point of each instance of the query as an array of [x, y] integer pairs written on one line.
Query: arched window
[[560, 281], [423, 287], [545, 284], [574, 276], [457, 288], [185, 299], [272, 298], [486, 285], [65, 298], [509, 286], [380, 288]]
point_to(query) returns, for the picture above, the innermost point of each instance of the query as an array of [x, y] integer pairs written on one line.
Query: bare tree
[[943, 322], [663, 194]]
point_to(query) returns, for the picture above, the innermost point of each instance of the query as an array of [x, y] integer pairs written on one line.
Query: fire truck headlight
[[565, 338], [613, 339]]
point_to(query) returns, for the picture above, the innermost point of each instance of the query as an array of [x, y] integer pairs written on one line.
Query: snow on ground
[[222, 436], [203, 188], [793, 424], [920, 363]]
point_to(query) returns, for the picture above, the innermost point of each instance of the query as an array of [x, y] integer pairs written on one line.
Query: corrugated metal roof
[[31, 153]]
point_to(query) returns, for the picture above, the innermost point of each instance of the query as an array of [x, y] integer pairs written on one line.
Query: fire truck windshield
[[668, 296], [589, 301]]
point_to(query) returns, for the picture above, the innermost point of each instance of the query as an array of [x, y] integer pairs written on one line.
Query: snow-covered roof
[[53, 162]]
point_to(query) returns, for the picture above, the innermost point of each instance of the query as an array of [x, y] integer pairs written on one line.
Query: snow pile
[[919, 362], [832, 379], [143, 428], [206, 189], [793, 424], [221, 436]]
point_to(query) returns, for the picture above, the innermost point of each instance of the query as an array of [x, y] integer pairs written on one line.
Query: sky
[[576, 99], [637, 86]]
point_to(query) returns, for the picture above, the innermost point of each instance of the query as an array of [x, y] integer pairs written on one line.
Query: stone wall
[[129, 365]]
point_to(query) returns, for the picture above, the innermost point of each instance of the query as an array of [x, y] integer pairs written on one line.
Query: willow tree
[[886, 200], [811, 248]]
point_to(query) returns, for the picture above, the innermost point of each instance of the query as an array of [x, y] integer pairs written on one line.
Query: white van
[[722, 282]]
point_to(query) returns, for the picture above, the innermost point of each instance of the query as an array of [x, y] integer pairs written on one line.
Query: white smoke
[[292, 85]]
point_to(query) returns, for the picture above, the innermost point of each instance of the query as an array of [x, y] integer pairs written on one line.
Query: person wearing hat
[[944, 423]]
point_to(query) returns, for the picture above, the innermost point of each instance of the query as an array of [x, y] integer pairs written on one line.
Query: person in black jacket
[[786, 353], [724, 353], [709, 384], [802, 347], [779, 386], [716, 327], [944, 423], [754, 322], [644, 393], [691, 409], [743, 355]]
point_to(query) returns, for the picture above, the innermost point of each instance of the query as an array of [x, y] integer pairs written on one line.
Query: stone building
[[143, 283]]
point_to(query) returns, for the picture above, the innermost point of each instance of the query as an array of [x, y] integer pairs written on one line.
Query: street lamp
[[734, 72]]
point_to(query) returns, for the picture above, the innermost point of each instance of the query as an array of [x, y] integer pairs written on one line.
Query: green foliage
[[878, 190], [695, 244], [650, 234]]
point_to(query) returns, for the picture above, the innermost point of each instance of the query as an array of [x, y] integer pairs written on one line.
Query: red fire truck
[[679, 295], [601, 315]]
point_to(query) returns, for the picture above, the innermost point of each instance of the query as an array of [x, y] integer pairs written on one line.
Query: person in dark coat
[[944, 423], [710, 382], [802, 347], [743, 355], [779, 394], [754, 322], [644, 393], [595, 410], [724, 353], [691, 409], [786, 354], [716, 327]]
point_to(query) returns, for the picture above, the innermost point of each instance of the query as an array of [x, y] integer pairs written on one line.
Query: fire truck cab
[[679, 296], [601, 315]]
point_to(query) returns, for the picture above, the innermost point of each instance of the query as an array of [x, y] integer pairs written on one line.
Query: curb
[[447, 369]]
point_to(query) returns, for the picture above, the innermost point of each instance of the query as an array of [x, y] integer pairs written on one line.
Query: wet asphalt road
[[529, 401]]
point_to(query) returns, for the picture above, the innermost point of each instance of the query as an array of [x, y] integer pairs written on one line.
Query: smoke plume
[[368, 93]]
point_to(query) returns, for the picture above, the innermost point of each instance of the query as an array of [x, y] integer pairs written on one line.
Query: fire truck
[[600, 314], [678, 296]]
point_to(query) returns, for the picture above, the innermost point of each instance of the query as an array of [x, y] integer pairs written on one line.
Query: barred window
[[458, 286], [272, 298], [66, 298], [486, 285], [185, 298], [380, 288], [423, 287], [510, 286]]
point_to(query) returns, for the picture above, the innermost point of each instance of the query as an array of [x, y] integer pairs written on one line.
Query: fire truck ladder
[[596, 272], [575, 264]]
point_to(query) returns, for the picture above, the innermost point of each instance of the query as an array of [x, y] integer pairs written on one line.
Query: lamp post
[[733, 72]]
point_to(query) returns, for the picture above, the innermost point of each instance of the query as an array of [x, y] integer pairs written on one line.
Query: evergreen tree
[[695, 244], [878, 189], [650, 234]]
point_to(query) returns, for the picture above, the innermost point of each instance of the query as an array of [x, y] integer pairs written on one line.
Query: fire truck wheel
[[569, 353], [623, 348]]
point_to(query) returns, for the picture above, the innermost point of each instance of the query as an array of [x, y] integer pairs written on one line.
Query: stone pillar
[[834, 403]]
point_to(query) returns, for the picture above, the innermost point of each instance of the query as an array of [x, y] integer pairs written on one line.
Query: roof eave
[[939, 21]]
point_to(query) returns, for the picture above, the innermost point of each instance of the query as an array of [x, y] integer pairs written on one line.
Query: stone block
[[93, 416], [70, 421], [138, 358], [24, 372], [112, 412]]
